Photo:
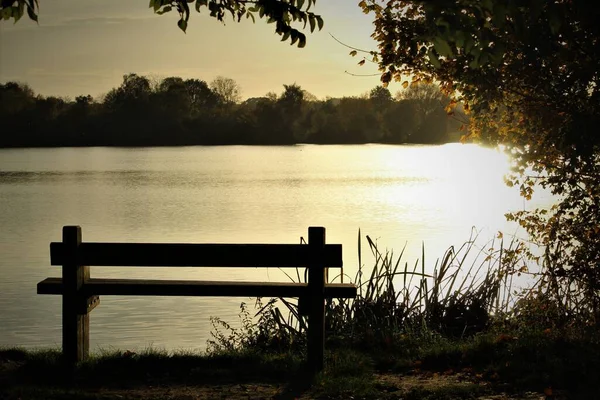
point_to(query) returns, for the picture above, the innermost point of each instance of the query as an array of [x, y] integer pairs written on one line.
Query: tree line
[[176, 111]]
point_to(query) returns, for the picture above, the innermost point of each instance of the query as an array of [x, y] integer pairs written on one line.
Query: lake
[[237, 194]]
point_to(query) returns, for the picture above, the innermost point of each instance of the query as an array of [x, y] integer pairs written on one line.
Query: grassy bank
[[457, 331], [526, 366]]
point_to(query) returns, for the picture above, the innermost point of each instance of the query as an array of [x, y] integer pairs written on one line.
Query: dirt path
[[388, 386], [427, 385]]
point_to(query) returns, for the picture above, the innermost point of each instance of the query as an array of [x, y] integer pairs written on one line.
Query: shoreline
[[221, 145]]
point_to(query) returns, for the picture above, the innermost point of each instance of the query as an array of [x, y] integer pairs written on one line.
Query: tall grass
[[466, 287]]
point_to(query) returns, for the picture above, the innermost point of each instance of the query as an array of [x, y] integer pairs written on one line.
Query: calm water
[[395, 194]]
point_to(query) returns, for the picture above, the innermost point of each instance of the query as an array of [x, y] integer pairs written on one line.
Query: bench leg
[[316, 317], [76, 332], [75, 312]]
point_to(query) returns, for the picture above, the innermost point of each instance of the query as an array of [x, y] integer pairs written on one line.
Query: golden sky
[[85, 47]]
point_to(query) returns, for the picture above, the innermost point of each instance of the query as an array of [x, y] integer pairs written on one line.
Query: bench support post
[[316, 317], [75, 310]]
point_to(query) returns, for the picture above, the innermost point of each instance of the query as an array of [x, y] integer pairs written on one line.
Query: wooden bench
[[81, 293]]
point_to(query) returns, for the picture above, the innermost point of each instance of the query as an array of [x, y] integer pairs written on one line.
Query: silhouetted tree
[[227, 90], [17, 107], [201, 97], [400, 119], [308, 96], [430, 117], [290, 103], [428, 96], [15, 97], [380, 97], [292, 97]]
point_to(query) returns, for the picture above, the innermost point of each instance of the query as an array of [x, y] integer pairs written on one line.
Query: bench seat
[[146, 287]]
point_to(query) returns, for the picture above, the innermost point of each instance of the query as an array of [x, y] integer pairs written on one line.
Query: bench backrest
[[196, 255]]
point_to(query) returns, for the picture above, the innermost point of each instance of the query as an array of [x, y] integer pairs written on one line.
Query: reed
[[457, 298]]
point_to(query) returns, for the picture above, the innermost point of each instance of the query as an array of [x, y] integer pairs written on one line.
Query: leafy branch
[[15, 9], [282, 13]]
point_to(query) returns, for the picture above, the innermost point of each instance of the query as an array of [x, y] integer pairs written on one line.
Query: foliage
[[175, 111], [530, 360], [528, 73], [226, 89], [395, 303], [269, 333], [16, 8], [429, 97], [292, 97], [15, 99], [281, 12], [467, 287], [380, 96]]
